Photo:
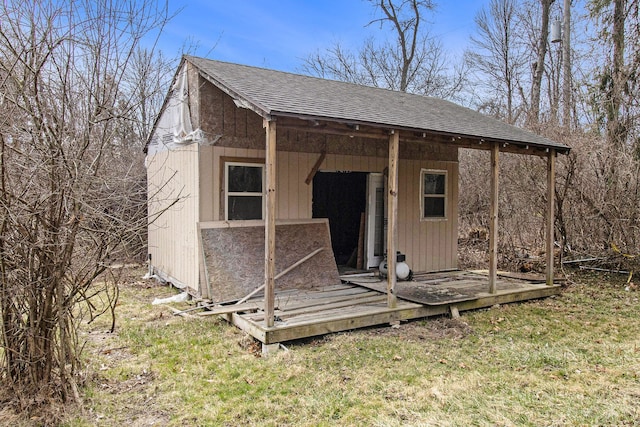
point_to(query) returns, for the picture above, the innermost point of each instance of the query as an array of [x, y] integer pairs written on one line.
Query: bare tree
[[540, 63], [413, 62], [406, 25], [615, 131], [567, 76], [67, 203], [615, 92], [496, 56]]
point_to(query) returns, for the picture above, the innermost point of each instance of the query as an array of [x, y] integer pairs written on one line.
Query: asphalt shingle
[[276, 92]]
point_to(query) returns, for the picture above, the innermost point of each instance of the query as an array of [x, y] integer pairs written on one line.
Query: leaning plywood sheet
[[234, 257], [417, 292]]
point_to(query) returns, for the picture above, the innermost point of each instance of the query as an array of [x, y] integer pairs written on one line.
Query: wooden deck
[[361, 302]]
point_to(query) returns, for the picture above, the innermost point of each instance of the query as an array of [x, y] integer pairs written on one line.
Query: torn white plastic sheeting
[[181, 117], [174, 127], [181, 297], [193, 136]]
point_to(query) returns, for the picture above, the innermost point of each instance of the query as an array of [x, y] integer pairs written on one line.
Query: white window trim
[[444, 196], [228, 194]]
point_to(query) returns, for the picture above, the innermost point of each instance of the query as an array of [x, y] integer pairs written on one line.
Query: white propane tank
[[403, 272], [382, 268]]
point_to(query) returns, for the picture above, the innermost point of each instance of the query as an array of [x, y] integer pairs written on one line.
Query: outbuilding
[[263, 183]]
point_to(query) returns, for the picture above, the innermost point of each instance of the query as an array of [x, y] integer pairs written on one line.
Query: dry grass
[[568, 360]]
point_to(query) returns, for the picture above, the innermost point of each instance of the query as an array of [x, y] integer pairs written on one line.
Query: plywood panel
[[228, 116], [234, 257], [241, 122]]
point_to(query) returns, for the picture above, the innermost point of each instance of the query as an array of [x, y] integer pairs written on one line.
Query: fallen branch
[[177, 312], [605, 270], [577, 261]]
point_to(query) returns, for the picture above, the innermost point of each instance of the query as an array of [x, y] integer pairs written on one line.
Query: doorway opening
[[342, 198]]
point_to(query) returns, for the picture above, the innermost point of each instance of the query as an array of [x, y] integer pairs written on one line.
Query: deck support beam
[[551, 185], [493, 219], [270, 223], [392, 216]]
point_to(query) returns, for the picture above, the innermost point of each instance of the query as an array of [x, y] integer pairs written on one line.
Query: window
[[434, 194], [244, 191]]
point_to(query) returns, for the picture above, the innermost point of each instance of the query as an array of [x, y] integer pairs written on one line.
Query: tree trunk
[[534, 116], [566, 66], [616, 133]]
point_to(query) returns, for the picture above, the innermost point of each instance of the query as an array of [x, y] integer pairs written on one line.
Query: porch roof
[[273, 93]]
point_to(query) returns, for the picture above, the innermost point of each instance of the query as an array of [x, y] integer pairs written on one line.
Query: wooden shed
[[268, 182]]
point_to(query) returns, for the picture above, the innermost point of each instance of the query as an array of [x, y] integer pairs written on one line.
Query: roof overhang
[[332, 126]]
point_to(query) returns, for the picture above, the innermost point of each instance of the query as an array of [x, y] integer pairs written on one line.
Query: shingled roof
[[274, 93]]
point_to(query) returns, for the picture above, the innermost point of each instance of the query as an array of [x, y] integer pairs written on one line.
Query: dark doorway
[[341, 197]]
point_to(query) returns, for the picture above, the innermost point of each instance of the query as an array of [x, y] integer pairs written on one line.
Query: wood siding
[[173, 238], [429, 245]]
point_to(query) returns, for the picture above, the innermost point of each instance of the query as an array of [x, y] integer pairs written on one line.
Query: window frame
[[444, 196], [246, 163]]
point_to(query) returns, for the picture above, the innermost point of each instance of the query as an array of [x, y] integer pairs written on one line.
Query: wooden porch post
[[551, 186], [270, 223], [392, 218], [493, 219]]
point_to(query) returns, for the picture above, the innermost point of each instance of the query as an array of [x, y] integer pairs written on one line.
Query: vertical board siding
[[404, 208], [173, 239], [429, 245], [206, 183]]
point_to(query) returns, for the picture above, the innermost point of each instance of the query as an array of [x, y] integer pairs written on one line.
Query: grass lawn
[[567, 360]]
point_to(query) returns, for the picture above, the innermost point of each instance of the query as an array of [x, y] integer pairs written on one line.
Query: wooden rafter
[[316, 167]]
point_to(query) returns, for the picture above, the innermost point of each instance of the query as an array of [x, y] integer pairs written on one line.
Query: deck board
[[309, 304], [362, 303]]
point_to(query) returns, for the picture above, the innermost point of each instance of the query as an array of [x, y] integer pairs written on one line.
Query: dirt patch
[[435, 328], [431, 329], [137, 382]]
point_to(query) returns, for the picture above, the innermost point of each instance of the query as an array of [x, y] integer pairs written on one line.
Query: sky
[[279, 34]]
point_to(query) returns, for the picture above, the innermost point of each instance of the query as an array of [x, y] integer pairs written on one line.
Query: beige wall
[[429, 245], [173, 240]]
